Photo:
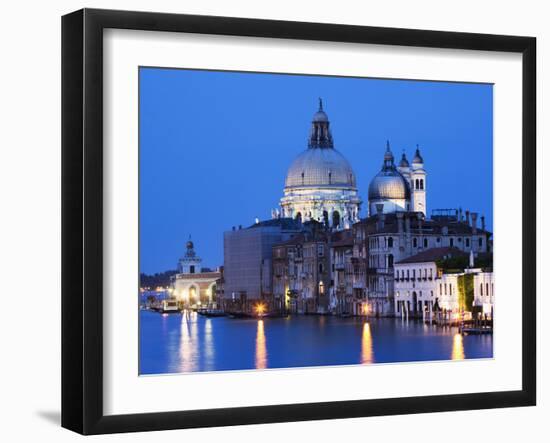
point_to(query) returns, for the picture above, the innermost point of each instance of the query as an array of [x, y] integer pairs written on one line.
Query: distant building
[[193, 285], [248, 262]]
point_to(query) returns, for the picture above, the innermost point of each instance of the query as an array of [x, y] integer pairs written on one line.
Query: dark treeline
[[158, 279]]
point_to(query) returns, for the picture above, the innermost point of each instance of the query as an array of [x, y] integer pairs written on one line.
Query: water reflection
[[208, 345], [189, 346], [261, 350], [458, 347], [366, 345]]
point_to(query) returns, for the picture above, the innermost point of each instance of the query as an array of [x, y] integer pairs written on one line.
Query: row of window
[[388, 242], [406, 275]]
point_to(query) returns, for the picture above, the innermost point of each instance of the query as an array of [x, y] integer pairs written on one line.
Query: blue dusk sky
[[215, 147]]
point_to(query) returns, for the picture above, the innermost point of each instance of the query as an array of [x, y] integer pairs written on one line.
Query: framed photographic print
[[269, 221]]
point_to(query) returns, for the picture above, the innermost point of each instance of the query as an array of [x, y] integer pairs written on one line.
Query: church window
[[325, 218], [335, 219], [390, 261], [417, 185], [192, 269], [481, 289], [321, 268], [467, 240], [486, 288], [390, 242], [415, 242], [425, 242], [421, 183], [438, 239], [451, 242]]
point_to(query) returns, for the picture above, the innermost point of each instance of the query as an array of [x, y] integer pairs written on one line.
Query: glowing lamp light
[[260, 309]]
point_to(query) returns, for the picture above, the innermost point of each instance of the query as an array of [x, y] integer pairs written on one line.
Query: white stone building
[[422, 288], [193, 285], [320, 183]]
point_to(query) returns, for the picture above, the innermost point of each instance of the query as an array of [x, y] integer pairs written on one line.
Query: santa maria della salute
[[317, 255], [320, 184]]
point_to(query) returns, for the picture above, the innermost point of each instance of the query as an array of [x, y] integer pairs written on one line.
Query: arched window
[[421, 183], [335, 219], [325, 218], [481, 289], [299, 217], [486, 288], [415, 242], [425, 242], [320, 268], [390, 242], [417, 184], [451, 242], [390, 261]]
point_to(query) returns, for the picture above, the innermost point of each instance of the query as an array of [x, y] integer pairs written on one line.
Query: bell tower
[[418, 183]]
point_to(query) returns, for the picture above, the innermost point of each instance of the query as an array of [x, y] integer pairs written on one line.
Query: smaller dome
[[417, 157], [389, 185]]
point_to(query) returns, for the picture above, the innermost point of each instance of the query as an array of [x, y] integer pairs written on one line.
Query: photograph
[[289, 220]]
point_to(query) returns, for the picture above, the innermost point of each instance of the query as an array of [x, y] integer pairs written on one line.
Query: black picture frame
[[82, 218]]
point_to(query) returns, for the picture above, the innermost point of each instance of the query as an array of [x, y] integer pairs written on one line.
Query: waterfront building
[[248, 262], [301, 273], [386, 238], [193, 285], [347, 276], [444, 280], [320, 183]]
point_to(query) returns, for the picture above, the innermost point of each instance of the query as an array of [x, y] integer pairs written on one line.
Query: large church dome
[[320, 167], [320, 183]]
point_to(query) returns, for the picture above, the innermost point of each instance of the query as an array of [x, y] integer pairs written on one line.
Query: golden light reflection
[[458, 347], [366, 345], [261, 350]]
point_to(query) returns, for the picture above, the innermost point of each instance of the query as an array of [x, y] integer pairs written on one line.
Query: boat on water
[[212, 312], [169, 307]]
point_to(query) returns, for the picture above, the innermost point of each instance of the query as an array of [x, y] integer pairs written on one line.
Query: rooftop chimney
[[474, 222], [399, 216]]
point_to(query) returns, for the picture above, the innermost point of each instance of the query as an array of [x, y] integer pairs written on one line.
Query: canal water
[[176, 343]]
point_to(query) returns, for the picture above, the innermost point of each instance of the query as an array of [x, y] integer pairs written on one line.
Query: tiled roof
[[433, 254]]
